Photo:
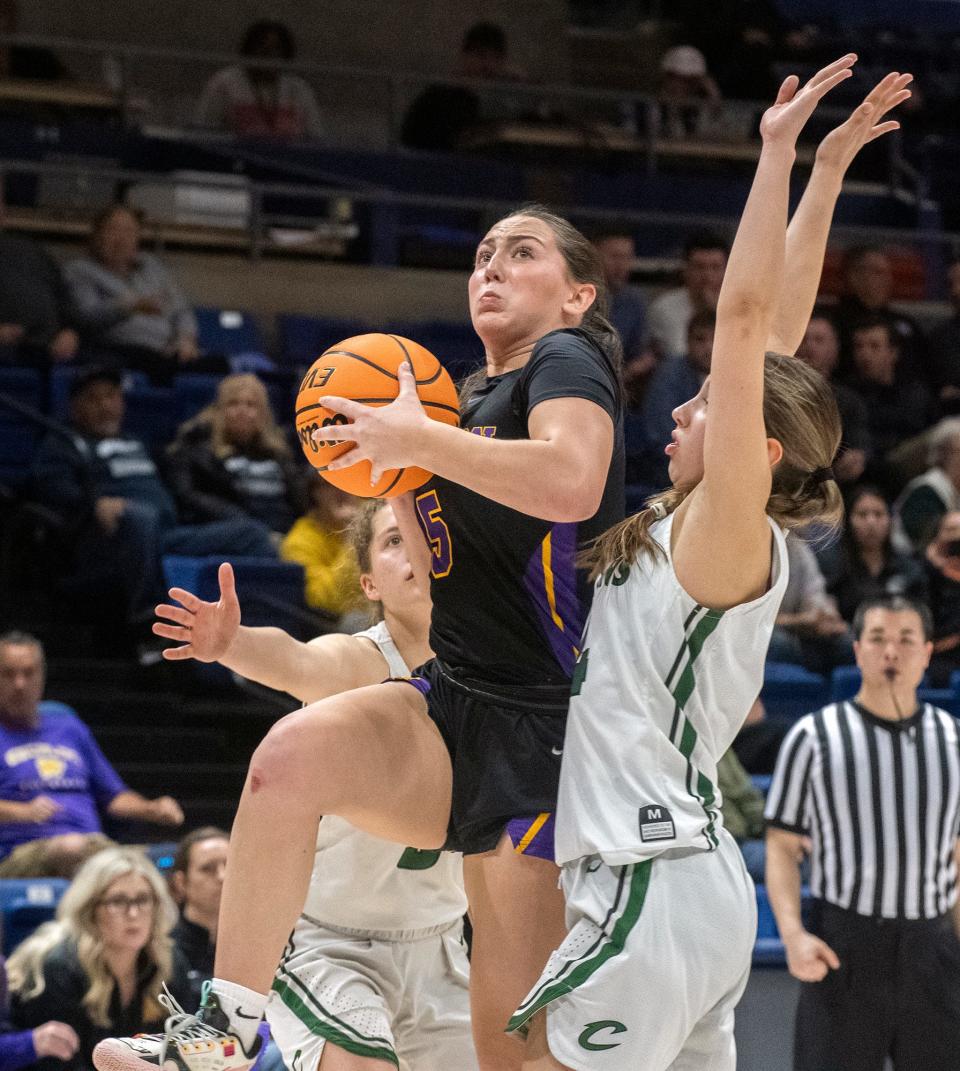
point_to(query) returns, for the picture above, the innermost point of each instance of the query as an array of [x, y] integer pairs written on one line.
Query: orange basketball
[[364, 368]]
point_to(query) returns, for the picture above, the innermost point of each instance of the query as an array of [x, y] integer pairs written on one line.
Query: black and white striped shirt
[[880, 801]]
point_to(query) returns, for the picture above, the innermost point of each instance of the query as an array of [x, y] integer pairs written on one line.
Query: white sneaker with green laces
[[201, 1042]]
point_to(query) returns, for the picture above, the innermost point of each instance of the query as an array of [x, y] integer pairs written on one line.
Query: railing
[[263, 231], [605, 118]]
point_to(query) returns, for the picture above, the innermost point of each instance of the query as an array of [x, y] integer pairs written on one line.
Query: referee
[[872, 788]]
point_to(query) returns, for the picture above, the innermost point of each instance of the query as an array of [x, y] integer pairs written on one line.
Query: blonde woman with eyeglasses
[[100, 965]]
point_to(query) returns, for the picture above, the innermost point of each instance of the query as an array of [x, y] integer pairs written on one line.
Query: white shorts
[[657, 957], [402, 1001]]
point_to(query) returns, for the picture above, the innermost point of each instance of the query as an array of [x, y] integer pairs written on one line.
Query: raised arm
[[211, 632], [810, 225], [722, 550]]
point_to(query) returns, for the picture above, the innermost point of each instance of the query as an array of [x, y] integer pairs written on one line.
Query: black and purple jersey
[[508, 602]]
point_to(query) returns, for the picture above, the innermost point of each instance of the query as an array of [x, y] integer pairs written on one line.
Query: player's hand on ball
[[206, 629], [387, 436], [808, 958]]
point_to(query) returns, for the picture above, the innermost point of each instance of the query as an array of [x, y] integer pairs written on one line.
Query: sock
[[243, 1007]]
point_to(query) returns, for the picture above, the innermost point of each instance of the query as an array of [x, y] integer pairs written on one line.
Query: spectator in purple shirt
[[54, 780], [19, 1048]]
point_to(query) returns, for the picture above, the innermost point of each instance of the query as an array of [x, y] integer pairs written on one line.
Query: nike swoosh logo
[[243, 1015], [556, 751]]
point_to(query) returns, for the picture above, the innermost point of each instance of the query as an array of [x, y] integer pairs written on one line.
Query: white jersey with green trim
[[661, 688], [363, 884]]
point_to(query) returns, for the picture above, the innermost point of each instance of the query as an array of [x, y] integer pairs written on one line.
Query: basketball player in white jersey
[[661, 910], [375, 974]]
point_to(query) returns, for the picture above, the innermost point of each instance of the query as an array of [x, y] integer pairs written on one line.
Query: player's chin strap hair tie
[[821, 475], [659, 510]]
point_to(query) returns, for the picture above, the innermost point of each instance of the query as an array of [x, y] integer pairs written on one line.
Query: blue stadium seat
[[62, 377], [151, 415], [945, 698], [304, 338], [161, 855], [265, 587], [193, 393], [26, 903], [455, 345], [792, 691], [844, 683], [768, 950], [227, 331], [18, 435]]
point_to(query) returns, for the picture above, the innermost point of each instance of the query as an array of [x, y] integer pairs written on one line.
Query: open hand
[[786, 117], [206, 629], [809, 958], [386, 436], [866, 123]]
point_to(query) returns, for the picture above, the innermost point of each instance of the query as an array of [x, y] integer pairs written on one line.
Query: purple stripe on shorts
[[420, 683], [541, 844]]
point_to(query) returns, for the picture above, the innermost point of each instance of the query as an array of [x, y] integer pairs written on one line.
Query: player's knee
[[297, 753]]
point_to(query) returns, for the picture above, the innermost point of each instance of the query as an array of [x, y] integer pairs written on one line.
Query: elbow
[[745, 305], [577, 502]]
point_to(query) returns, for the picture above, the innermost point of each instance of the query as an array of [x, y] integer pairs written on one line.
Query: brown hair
[[584, 265], [181, 858], [800, 412], [360, 534]]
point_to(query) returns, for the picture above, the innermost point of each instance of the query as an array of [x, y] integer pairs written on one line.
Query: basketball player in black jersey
[[469, 757]]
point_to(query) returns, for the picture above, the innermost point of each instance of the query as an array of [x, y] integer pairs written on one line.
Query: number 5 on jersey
[[437, 533]]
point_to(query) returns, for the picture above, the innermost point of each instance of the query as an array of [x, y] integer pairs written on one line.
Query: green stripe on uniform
[[328, 1031], [705, 793], [585, 968]]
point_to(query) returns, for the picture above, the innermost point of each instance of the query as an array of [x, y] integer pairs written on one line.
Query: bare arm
[[808, 958], [310, 671], [211, 632], [558, 474], [810, 226], [164, 811], [722, 550]]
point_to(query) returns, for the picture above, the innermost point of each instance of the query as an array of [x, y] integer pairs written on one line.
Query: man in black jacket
[[106, 487]]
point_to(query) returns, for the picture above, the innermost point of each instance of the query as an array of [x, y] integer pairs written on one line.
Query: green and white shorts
[[657, 958], [404, 1001]]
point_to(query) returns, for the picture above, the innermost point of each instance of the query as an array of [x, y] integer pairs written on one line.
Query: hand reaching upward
[[866, 123], [206, 629], [786, 117]]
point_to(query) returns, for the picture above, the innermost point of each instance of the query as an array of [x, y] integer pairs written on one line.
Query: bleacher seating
[[18, 434], [26, 903], [227, 331], [303, 338], [792, 690], [266, 588]]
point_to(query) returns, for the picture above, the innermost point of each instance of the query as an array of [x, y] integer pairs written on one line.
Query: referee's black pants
[[896, 994]]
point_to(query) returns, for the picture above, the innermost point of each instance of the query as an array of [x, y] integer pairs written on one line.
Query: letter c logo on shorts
[[594, 1028]]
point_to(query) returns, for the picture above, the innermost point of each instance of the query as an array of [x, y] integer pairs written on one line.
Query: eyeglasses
[[122, 905]]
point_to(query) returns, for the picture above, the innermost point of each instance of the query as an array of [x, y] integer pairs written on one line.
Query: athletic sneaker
[[201, 1042]]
